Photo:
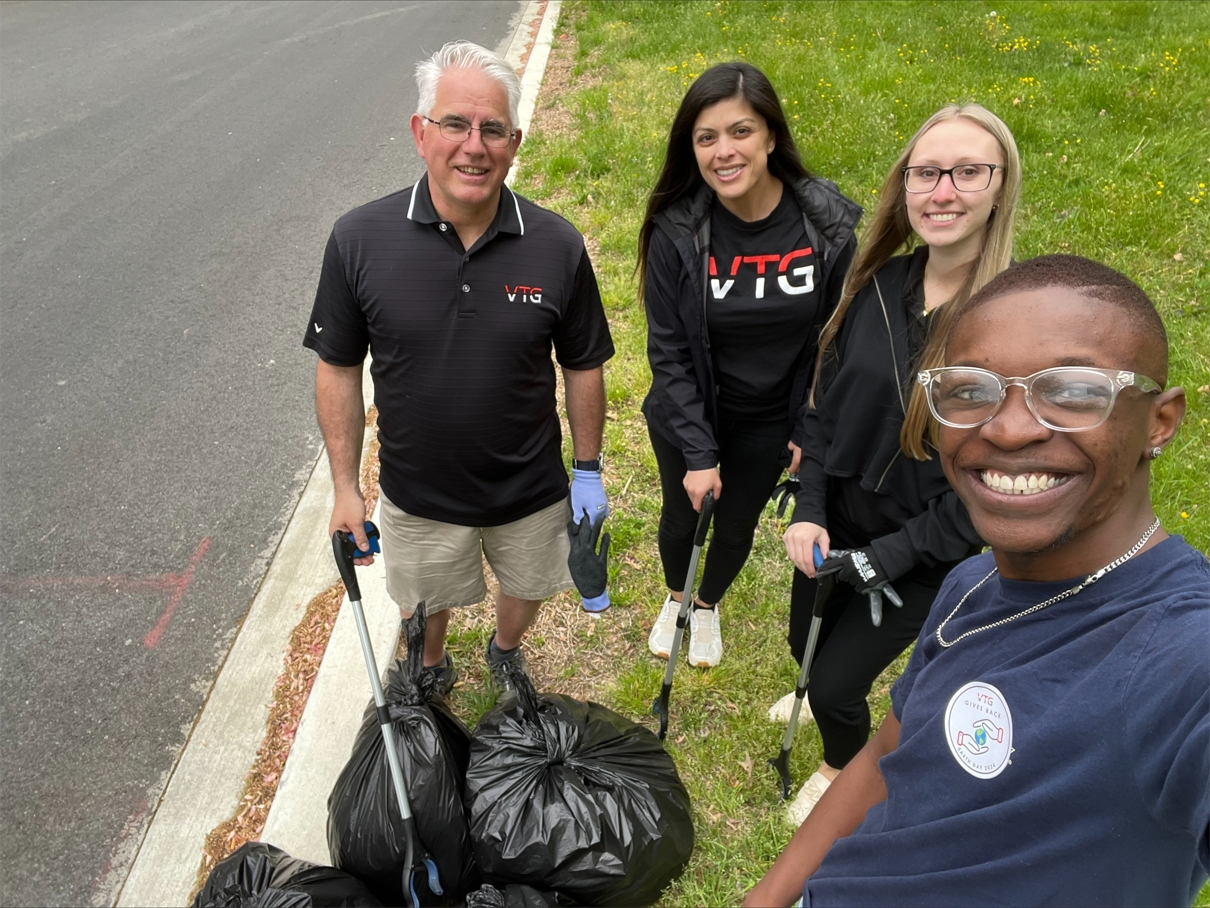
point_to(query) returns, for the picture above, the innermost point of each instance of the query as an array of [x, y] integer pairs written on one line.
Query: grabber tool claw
[[660, 706], [823, 590]]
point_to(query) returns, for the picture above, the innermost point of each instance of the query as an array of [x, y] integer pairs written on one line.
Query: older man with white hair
[[459, 287]]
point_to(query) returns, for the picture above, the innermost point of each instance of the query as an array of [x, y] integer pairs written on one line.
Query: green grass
[[1109, 104]]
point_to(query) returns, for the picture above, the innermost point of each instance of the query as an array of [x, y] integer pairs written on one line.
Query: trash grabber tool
[[414, 860], [660, 706], [824, 586]]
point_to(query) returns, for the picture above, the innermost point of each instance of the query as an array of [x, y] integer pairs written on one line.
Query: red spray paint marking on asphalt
[[183, 580], [173, 583]]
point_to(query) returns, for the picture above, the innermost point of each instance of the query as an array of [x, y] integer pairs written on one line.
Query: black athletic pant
[[851, 653], [752, 457]]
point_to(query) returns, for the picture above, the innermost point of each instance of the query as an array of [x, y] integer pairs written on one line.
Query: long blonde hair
[[890, 231]]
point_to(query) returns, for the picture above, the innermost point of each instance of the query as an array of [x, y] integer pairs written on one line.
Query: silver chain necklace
[[1086, 582]]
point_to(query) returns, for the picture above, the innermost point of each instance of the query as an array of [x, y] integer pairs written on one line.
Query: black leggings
[[851, 653], [752, 457]]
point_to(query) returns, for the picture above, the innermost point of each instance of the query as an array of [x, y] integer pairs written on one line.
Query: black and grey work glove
[[784, 493], [589, 570], [861, 568]]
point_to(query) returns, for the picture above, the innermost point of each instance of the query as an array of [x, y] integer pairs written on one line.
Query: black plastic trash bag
[[365, 829], [572, 797], [514, 895], [259, 875]]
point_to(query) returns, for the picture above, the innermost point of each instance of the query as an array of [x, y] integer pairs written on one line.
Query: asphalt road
[[169, 173]]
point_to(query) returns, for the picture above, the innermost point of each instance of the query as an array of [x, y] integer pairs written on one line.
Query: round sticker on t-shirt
[[979, 729]]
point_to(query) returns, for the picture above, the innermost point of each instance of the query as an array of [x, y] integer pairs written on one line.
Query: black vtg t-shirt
[[761, 305]]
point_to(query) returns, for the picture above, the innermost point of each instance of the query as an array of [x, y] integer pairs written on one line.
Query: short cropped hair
[[1084, 276], [465, 55]]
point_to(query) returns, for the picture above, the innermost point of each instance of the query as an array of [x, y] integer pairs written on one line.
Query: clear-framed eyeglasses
[[1064, 399], [965, 177], [456, 129]]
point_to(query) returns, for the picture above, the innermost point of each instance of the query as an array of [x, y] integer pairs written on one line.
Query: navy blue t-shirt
[[1061, 759]]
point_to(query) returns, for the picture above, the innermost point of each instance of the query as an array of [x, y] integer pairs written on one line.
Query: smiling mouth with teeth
[[948, 216], [1023, 484], [472, 171], [729, 171]]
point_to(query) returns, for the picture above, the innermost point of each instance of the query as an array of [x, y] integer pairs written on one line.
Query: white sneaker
[[807, 798], [780, 711], [659, 641], [706, 639]]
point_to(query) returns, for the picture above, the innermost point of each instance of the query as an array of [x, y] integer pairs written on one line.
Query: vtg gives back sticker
[[979, 729]]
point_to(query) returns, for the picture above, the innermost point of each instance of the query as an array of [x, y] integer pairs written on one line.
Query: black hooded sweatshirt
[[856, 481], [682, 404]]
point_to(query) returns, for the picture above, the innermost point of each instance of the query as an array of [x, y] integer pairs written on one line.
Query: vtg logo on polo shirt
[[527, 294], [979, 730]]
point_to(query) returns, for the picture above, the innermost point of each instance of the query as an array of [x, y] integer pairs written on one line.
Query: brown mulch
[[529, 45]]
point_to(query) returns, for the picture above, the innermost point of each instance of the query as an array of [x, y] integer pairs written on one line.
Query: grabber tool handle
[[344, 547], [703, 520]]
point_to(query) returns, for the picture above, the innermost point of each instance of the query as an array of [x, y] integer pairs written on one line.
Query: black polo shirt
[[461, 343]]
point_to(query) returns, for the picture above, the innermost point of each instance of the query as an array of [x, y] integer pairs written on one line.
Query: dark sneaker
[[504, 665], [445, 676]]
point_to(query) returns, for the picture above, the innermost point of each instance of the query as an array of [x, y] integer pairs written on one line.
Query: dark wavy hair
[[680, 175]]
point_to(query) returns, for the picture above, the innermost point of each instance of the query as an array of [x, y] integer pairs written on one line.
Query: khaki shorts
[[441, 564]]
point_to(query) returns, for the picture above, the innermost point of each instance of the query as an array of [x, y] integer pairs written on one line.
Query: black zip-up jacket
[[682, 403], [852, 434]]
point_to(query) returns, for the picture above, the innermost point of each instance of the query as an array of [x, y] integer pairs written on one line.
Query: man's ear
[[1167, 410], [417, 124]]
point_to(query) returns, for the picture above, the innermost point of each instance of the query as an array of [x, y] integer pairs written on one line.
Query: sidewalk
[[206, 784]]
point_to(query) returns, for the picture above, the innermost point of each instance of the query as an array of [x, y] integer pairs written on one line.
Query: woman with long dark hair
[[741, 259], [870, 484]]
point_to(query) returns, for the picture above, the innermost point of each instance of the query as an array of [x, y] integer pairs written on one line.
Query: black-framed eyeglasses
[[965, 177], [1064, 399], [456, 129]]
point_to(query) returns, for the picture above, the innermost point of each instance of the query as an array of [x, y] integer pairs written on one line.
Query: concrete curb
[[206, 784], [298, 819]]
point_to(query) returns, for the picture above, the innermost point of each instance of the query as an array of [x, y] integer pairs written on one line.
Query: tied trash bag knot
[[416, 683], [561, 749], [570, 797]]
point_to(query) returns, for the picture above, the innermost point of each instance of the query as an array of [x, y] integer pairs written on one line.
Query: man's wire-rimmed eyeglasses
[[965, 177], [1064, 399], [494, 135]]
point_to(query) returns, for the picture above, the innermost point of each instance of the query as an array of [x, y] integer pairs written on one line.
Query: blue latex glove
[[588, 496], [596, 603]]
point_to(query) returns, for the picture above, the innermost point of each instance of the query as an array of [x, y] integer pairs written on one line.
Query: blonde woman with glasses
[[872, 490]]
